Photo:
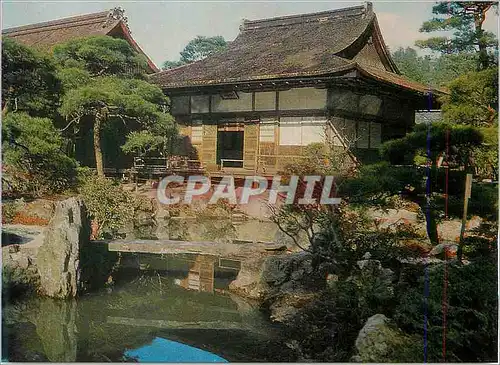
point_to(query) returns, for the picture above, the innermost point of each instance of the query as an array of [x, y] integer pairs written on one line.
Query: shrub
[[327, 328], [10, 209], [35, 163], [471, 317], [347, 237], [108, 205]]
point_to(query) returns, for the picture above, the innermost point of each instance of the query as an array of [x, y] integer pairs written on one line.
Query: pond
[[146, 314]]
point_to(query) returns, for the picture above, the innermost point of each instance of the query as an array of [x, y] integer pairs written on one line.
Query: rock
[[290, 283], [288, 272], [263, 275], [41, 208], [18, 233], [288, 304], [376, 340], [58, 257], [283, 283], [248, 282], [19, 273], [19, 269], [449, 230], [373, 268], [372, 278], [450, 248], [410, 216]]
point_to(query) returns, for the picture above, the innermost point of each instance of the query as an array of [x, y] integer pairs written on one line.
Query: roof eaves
[[228, 81], [385, 50], [405, 84], [368, 24], [167, 71]]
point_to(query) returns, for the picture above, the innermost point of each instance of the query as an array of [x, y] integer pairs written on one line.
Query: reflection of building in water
[[201, 272], [200, 275]]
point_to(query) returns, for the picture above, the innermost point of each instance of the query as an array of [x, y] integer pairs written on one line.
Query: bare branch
[[70, 123]]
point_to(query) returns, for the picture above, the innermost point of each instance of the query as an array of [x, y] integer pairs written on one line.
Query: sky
[[163, 28]]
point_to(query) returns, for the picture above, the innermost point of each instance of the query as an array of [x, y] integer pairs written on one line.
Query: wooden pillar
[[250, 145], [209, 146]]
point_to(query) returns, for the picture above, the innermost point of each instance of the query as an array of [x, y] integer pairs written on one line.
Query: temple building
[[44, 36], [290, 81]]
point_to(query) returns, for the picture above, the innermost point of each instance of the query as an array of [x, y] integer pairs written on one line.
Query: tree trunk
[[5, 109], [479, 18], [483, 53], [97, 146]]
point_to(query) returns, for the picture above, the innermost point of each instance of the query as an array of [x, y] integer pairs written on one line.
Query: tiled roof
[[278, 47], [395, 79], [317, 44], [44, 36]]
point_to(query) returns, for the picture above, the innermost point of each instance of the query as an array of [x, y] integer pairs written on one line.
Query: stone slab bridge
[[235, 251]]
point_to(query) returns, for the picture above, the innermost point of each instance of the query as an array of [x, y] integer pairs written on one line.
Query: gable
[[370, 50], [369, 56]]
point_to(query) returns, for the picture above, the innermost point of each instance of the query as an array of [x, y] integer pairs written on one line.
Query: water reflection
[[201, 272], [182, 300], [48, 330], [163, 350]]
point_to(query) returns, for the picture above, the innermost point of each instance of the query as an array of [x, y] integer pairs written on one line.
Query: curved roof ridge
[[385, 49], [91, 17], [308, 17]]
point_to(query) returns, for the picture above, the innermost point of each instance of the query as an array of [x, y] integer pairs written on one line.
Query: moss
[[389, 344], [17, 282]]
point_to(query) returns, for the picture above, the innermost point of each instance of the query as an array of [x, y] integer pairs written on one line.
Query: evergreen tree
[[103, 82], [465, 19], [197, 49]]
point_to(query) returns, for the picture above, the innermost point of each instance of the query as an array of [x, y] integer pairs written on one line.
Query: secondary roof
[[44, 36]]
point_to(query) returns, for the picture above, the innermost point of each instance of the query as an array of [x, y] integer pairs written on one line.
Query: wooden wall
[[365, 117]]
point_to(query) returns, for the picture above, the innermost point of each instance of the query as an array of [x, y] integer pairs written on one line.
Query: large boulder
[[262, 276], [291, 284], [248, 282], [58, 257], [19, 271], [381, 341], [289, 272]]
